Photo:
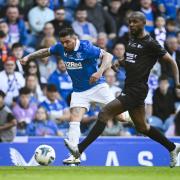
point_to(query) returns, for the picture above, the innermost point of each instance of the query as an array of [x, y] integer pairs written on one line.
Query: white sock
[[74, 132]]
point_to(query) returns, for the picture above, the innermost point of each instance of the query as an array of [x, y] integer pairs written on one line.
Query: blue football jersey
[[80, 64]]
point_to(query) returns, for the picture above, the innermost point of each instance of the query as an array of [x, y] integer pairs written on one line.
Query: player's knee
[[104, 116], [142, 128]]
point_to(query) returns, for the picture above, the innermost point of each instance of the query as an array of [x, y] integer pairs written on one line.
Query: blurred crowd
[[34, 99]]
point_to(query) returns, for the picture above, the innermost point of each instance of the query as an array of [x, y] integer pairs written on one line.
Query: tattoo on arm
[[39, 54]]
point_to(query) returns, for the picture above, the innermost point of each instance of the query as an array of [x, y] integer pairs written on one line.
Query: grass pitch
[[89, 173]]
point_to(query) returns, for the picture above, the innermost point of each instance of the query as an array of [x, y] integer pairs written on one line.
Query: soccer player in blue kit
[[80, 58]]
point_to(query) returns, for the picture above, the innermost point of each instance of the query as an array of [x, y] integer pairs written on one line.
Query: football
[[44, 155]]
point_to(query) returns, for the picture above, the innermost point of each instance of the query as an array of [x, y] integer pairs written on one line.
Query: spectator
[[7, 122], [111, 80], [59, 22], [123, 31], [171, 27], [178, 20], [32, 68], [56, 108], [17, 28], [84, 29], [163, 106], [4, 50], [174, 128], [18, 52], [11, 80], [10, 3], [146, 8], [36, 94], [152, 85], [159, 32], [5, 28], [119, 52], [70, 7], [47, 42], [24, 111], [167, 8], [46, 67], [61, 80], [117, 11], [101, 19], [42, 126], [172, 47], [114, 128], [102, 41], [48, 33], [39, 15]]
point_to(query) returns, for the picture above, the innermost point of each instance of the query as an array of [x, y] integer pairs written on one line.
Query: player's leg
[[138, 117], [78, 107], [74, 133], [102, 95], [108, 112]]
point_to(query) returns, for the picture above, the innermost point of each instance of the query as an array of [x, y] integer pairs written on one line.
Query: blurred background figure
[[7, 122], [60, 22], [163, 106], [61, 80], [11, 80], [56, 108], [42, 125], [83, 28]]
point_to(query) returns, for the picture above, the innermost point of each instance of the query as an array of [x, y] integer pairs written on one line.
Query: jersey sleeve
[[56, 49], [93, 52], [157, 49]]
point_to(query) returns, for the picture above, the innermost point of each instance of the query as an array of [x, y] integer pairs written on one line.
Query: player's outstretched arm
[[37, 54], [106, 64], [167, 57]]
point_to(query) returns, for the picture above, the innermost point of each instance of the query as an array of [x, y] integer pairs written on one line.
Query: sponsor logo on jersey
[[130, 57], [73, 65]]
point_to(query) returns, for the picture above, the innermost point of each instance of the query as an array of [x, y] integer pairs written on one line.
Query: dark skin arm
[[168, 58], [116, 65]]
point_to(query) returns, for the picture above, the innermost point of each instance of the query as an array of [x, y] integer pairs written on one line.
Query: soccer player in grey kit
[[142, 52]]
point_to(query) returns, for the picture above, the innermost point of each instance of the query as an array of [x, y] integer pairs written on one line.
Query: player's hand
[[115, 66], [95, 77], [24, 60]]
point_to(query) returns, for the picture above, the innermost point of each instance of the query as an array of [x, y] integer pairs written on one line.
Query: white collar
[[49, 102], [77, 45]]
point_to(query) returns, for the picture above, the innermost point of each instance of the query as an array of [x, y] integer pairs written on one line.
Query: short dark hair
[[66, 32], [17, 45], [24, 91], [51, 88], [81, 8], [2, 94], [59, 8], [139, 15]]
